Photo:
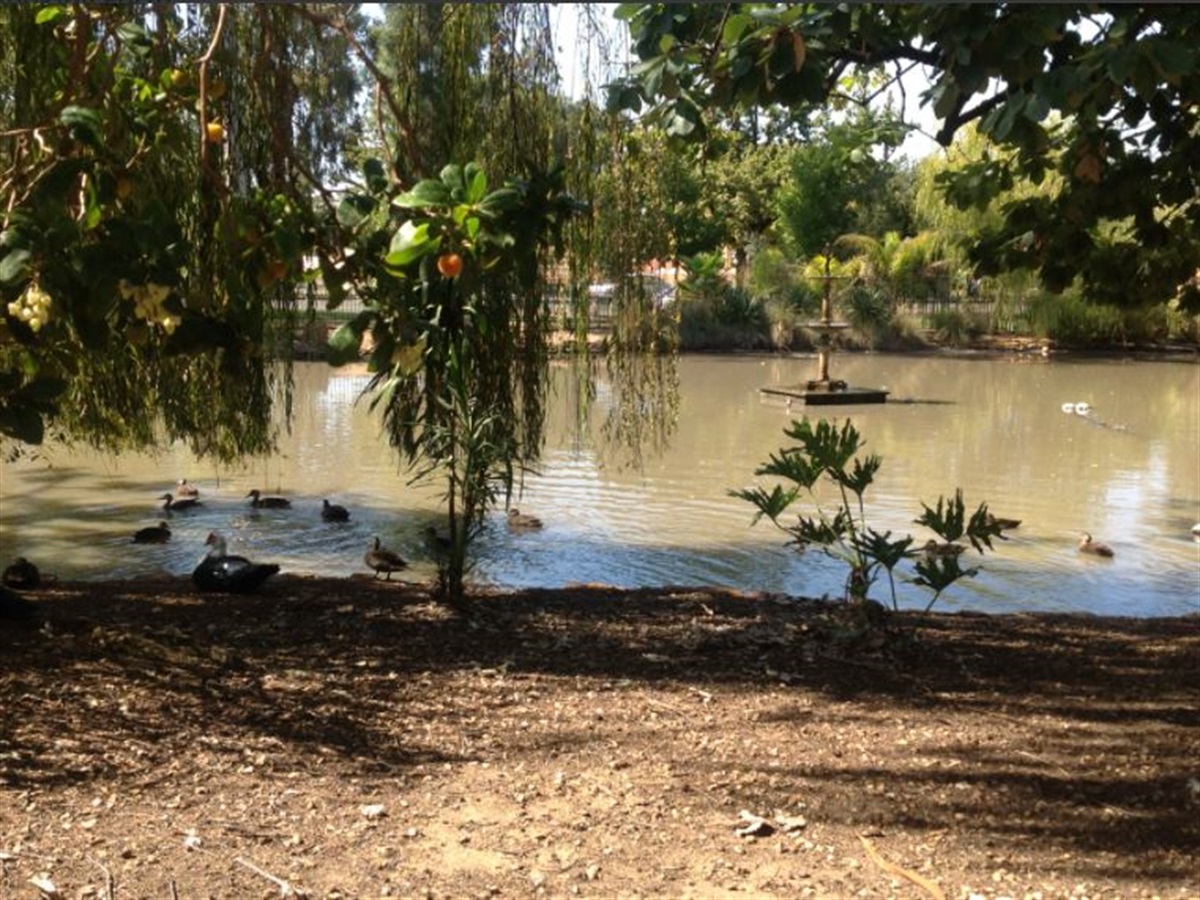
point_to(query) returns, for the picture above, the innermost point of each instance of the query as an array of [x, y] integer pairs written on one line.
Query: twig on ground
[[109, 884], [891, 868], [285, 887]]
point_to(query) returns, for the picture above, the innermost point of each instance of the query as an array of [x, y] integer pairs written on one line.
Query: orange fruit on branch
[[450, 264], [215, 132]]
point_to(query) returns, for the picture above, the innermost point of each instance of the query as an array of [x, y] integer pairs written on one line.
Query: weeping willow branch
[[204, 61]]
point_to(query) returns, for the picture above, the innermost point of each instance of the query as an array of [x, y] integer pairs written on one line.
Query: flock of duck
[[223, 572]]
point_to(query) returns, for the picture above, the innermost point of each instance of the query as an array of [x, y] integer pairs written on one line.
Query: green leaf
[[12, 266], [428, 192], [409, 243], [477, 188], [500, 200], [85, 123], [375, 175], [49, 14], [134, 35], [345, 343], [354, 209]]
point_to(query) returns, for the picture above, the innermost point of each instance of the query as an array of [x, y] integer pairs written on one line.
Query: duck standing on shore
[[223, 572], [258, 501], [22, 575], [381, 559]]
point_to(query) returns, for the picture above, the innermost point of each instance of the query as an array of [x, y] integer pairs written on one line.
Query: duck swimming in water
[[933, 548], [258, 501], [440, 543], [22, 575], [219, 571], [154, 534], [331, 512], [1003, 524], [183, 489], [175, 504], [1095, 548], [523, 522], [381, 559]]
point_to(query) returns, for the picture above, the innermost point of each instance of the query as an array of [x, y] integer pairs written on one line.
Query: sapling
[[825, 453]]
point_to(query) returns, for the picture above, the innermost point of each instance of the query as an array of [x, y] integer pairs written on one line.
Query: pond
[[1128, 472]]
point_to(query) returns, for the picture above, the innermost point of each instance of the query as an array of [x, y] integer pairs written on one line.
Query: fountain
[[824, 390]]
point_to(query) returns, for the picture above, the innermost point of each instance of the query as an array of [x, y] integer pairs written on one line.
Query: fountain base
[[829, 393]]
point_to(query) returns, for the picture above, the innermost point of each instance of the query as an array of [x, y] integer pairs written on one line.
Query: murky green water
[[1129, 473]]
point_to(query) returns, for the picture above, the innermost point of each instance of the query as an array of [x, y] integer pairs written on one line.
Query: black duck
[[439, 543], [14, 607], [383, 560], [219, 571], [332, 512], [258, 501], [22, 575], [175, 504], [153, 534]]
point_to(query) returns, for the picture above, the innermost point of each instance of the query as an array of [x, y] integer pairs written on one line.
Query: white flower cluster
[[32, 307], [148, 303]]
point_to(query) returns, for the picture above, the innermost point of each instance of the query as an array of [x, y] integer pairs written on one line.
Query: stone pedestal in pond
[[824, 390]]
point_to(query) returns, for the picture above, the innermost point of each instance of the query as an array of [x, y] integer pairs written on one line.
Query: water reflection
[[1129, 473]]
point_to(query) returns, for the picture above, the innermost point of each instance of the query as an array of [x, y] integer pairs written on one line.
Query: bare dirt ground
[[350, 738]]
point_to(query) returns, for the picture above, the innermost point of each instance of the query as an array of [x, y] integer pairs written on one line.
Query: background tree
[[1119, 81]]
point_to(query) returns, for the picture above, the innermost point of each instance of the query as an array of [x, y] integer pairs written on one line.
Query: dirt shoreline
[[348, 738]]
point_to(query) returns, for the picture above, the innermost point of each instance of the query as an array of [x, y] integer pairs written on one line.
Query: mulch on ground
[[334, 738]]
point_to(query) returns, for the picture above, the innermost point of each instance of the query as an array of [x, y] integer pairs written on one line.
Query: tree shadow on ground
[[124, 677]]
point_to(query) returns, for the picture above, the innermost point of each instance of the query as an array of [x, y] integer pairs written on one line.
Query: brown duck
[[183, 489], [1095, 548], [523, 522], [381, 559]]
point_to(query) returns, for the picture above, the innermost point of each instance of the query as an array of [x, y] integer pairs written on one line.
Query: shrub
[[825, 453]]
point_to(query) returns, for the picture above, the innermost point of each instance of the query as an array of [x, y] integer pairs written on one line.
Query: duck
[[14, 607], [523, 522], [382, 559], [1068, 408], [1196, 531], [219, 571], [1003, 524], [1083, 409], [153, 534], [933, 548], [332, 512], [22, 575], [183, 489], [175, 504], [1095, 548], [258, 501], [439, 542]]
